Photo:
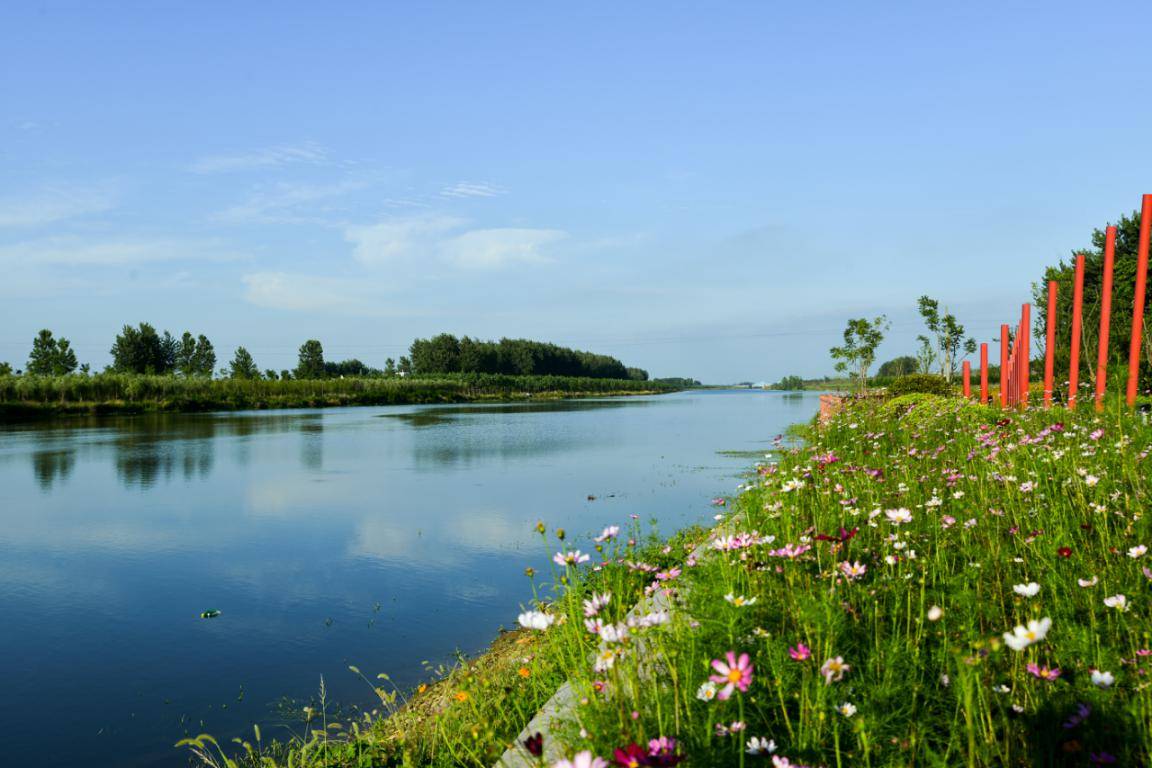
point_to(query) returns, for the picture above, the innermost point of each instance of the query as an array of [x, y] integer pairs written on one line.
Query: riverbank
[[29, 397], [926, 581]]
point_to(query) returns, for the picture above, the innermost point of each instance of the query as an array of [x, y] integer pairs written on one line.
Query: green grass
[[120, 393], [995, 501]]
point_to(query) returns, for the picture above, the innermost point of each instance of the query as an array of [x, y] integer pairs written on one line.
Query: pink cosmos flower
[[833, 670], [800, 652], [583, 759], [570, 558], [1043, 673], [737, 673]]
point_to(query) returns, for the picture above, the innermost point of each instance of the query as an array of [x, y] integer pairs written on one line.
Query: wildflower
[[1088, 582], [524, 672], [1102, 679], [662, 751], [1091, 480], [1102, 758], [935, 613], [668, 575], [462, 696], [847, 709], [1002, 688], [898, 516], [833, 670], [605, 660], [736, 726], [596, 603], [534, 744], [947, 521], [654, 619], [853, 570], [1043, 673], [707, 691], [536, 620], [779, 761], [614, 633], [1137, 551], [758, 745], [1064, 552], [1119, 602], [1031, 589], [1023, 636], [1027, 486], [737, 673], [583, 759], [574, 557], [739, 600], [631, 756], [1082, 712], [610, 532], [1096, 435], [800, 652]]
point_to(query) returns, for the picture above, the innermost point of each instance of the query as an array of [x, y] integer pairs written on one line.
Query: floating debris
[[210, 614]]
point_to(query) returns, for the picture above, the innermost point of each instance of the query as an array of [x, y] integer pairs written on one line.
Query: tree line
[[519, 357], [143, 350]]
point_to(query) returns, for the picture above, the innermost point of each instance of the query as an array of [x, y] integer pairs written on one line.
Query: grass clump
[[924, 582]]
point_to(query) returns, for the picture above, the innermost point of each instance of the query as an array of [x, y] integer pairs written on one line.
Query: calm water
[[380, 537]]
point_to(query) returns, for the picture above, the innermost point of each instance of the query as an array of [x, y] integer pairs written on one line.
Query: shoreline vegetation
[[923, 581], [26, 397]]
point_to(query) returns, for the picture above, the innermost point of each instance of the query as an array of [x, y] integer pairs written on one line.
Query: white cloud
[[472, 189], [496, 248], [314, 293], [76, 251], [270, 157], [53, 204], [400, 238], [281, 203]]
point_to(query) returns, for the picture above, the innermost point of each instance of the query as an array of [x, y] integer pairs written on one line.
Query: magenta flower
[[800, 652], [1043, 673], [737, 673]]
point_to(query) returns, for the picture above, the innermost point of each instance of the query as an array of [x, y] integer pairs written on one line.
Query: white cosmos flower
[[758, 745], [1102, 679], [740, 601], [596, 603], [707, 691], [570, 558], [536, 620], [898, 516], [1091, 480], [1023, 636], [1031, 589], [847, 709], [1119, 602], [935, 613], [610, 532], [1088, 582], [1137, 551]]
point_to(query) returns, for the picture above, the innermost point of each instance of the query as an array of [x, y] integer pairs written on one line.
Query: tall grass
[[109, 391], [925, 582]]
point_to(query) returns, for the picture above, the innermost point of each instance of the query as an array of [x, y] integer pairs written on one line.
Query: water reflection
[[52, 466]]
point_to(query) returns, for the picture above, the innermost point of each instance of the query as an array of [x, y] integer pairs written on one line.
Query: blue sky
[[705, 189]]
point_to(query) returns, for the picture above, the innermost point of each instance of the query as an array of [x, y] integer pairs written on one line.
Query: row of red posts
[[1014, 346]]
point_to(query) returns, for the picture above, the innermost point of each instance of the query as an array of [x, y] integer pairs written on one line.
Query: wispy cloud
[[269, 157], [497, 248], [287, 202], [315, 293], [53, 204], [472, 189], [398, 239], [77, 251]]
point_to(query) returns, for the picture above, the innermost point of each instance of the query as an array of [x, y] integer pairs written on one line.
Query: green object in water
[[210, 614]]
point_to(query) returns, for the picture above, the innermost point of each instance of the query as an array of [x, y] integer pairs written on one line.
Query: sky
[[701, 189]]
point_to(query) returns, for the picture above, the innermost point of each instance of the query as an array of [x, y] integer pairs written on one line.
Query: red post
[[966, 372], [1138, 300], [1025, 351], [1077, 327], [1050, 344], [1004, 366], [984, 374], [1105, 317]]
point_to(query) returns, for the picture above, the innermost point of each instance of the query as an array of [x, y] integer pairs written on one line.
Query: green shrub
[[923, 383]]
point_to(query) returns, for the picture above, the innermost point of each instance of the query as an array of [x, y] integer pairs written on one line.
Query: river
[[383, 537]]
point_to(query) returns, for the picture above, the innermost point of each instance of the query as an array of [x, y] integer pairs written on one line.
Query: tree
[[5, 369], [204, 358], [405, 366], [949, 335], [899, 366], [243, 366], [285, 375], [271, 374], [311, 360], [789, 384], [142, 350], [51, 356], [186, 355], [861, 338], [389, 367]]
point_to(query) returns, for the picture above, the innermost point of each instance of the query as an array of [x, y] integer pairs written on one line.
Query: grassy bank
[[926, 582], [30, 396]]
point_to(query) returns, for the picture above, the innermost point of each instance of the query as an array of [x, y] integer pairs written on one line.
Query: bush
[[920, 383]]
